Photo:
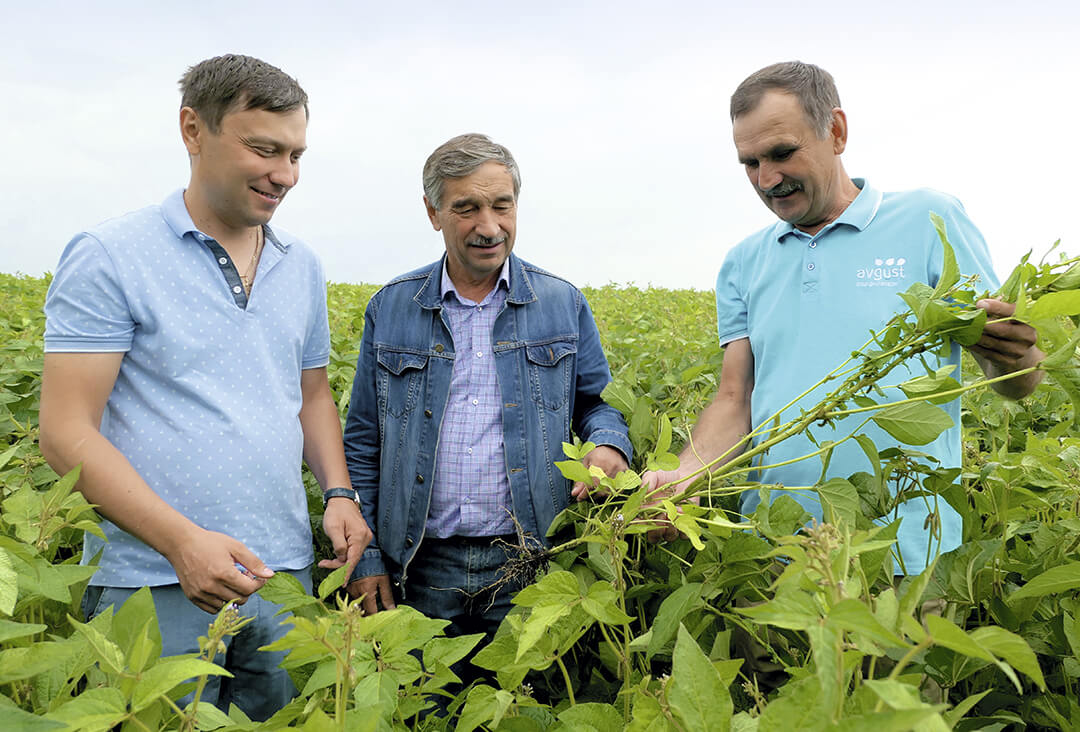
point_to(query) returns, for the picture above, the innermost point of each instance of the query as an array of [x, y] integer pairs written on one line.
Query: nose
[[487, 223], [286, 173], [768, 176]]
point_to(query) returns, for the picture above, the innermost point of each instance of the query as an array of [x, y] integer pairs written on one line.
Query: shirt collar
[[447, 285], [857, 215], [176, 215]]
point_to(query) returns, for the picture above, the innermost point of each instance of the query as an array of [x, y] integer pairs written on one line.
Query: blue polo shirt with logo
[[207, 401], [806, 302]]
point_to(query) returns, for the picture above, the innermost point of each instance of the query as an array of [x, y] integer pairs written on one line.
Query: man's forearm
[[109, 481], [323, 451], [721, 426]]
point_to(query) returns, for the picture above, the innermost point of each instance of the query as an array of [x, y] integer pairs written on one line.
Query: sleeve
[[969, 246], [86, 310], [317, 342], [594, 419], [362, 442], [732, 321]]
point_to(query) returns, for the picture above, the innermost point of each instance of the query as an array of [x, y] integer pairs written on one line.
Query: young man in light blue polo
[[794, 299], [185, 371]]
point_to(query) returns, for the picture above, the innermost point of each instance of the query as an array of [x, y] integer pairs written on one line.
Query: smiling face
[[240, 174], [478, 219], [797, 173]]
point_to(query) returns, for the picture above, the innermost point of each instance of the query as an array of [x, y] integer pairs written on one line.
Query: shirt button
[[813, 245], [468, 450], [479, 354], [475, 402], [222, 261], [237, 289], [810, 266]]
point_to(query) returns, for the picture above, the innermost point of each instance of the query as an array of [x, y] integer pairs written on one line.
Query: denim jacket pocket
[[550, 371], [400, 379]]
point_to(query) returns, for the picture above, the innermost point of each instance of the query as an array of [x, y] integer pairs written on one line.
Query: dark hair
[[460, 156], [231, 82], [812, 85]]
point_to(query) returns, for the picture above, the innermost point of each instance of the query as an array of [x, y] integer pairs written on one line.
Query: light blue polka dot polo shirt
[[207, 401]]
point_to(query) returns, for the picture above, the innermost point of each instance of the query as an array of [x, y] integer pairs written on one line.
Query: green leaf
[[333, 582], [285, 590], [854, 617], [592, 716], [13, 718], [10, 630], [479, 708], [946, 634], [924, 387], [950, 273], [673, 609], [1062, 578], [839, 501], [106, 652], [696, 693], [791, 609], [913, 423], [1054, 305], [663, 441], [136, 631], [97, 708], [953, 715], [9, 584], [602, 604], [170, 672], [1012, 649], [574, 471]]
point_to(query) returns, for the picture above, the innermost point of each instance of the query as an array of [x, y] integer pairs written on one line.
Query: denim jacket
[[551, 370]]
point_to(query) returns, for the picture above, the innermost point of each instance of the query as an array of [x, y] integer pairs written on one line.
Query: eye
[[465, 210], [785, 154], [503, 207], [750, 164], [266, 152]]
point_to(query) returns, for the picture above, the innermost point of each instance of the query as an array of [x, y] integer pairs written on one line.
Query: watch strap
[[349, 493]]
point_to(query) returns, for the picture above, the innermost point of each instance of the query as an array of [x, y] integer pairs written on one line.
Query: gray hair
[[812, 85], [231, 82], [461, 156]]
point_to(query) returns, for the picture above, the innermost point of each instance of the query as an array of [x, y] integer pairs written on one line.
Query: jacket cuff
[[613, 438], [370, 564]]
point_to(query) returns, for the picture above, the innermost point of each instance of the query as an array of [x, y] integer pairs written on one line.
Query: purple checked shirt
[[471, 494]]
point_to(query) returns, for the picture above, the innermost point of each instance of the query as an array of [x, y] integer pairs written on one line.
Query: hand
[[376, 590], [605, 457], [348, 532], [206, 565], [675, 480], [1008, 345]]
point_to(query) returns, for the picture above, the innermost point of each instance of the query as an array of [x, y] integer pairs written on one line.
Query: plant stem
[[566, 679]]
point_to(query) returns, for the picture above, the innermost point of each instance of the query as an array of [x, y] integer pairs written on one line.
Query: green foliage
[[619, 633]]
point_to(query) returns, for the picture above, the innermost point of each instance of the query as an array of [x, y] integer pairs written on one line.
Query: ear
[[838, 130], [432, 214], [191, 130]]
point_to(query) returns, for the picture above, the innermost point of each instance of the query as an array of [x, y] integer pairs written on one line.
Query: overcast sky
[[615, 111]]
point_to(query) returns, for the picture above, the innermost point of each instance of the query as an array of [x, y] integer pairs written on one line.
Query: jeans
[[452, 579], [259, 686]]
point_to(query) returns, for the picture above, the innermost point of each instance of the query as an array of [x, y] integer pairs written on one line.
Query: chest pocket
[[550, 371], [400, 379]]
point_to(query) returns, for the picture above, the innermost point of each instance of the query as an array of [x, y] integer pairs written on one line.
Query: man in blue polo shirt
[[185, 371], [794, 299]]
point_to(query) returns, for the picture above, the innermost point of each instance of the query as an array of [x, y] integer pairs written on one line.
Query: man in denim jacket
[[472, 371]]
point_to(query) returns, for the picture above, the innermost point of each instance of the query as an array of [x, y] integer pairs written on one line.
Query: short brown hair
[[812, 85], [221, 84]]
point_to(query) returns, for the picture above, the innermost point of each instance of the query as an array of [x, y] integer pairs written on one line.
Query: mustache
[[485, 241], [784, 188]]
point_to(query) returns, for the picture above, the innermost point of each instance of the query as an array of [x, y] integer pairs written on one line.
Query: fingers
[[246, 558], [579, 492], [386, 594]]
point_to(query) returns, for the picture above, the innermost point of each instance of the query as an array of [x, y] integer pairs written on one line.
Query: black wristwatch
[[349, 493]]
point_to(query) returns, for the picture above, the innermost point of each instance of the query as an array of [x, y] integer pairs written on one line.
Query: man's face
[[477, 218], [796, 173], [246, 168]]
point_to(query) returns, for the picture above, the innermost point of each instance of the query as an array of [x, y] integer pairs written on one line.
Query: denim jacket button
[[408, 541], [438, 348], [419, 479], [427, 412]]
